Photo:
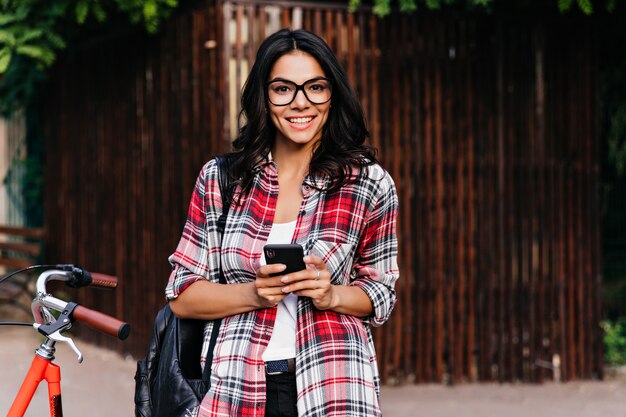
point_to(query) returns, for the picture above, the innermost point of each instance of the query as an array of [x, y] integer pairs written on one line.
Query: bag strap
[[222, 163]]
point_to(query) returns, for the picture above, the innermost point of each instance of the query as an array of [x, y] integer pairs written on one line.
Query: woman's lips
[[300, 122]]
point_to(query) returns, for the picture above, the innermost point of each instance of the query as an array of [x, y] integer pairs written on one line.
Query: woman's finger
[[316, 261], [266, 271]]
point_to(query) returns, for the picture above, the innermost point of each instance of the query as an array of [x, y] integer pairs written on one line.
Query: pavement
[[103, 386]]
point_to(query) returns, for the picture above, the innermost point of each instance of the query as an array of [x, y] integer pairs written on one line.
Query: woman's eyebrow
[[319, 77], [280, 79]]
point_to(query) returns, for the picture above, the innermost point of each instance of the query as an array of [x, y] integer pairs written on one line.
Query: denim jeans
[[282, 395]]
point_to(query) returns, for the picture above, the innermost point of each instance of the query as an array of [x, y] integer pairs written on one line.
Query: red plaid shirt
[[354, 231]]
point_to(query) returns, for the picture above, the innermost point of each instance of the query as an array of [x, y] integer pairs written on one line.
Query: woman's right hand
[[269, 288]]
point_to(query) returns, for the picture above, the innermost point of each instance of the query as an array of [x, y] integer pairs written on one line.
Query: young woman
[[297, 344]]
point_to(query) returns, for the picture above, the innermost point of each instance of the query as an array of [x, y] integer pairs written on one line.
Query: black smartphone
[[288, 254]]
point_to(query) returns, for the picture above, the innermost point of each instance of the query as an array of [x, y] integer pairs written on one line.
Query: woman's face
[[301, 121]]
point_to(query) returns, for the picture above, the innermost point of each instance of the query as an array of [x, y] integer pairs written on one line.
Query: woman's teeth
[[300, 120]]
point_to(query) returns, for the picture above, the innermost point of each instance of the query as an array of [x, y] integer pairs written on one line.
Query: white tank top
[[282, 344]]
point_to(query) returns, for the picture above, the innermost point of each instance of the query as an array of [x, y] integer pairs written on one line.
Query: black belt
[[280, 367]]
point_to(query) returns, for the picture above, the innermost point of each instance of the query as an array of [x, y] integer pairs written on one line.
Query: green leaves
[[36, 29], [565, 5], [353, 5], [408, 6], [82, 10], [85, 8], [585, 6], [5, 60], [33, 32], [383, 7], [615, 341], [151, 12]]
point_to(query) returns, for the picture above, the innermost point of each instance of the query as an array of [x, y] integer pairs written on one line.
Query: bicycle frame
[[42, 367]]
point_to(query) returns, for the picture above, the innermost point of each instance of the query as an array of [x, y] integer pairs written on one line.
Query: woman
[[296, 344]]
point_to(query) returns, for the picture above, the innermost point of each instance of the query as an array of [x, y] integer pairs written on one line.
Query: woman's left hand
[[313, 282]]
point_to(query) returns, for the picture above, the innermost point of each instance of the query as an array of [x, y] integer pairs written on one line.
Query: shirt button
[[307, 188]]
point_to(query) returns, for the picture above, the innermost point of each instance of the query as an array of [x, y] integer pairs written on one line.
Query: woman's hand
[[313, 282], [269, 289]]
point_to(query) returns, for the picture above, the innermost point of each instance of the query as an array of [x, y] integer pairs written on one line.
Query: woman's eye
[[281, 89], [318, 88]]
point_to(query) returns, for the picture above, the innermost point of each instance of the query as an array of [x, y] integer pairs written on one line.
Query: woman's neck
[[292, 163]]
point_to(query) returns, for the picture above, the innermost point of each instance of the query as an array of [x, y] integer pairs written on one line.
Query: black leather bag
[[169, 381]]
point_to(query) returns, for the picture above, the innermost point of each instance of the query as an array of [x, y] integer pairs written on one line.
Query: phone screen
[[288, 254]]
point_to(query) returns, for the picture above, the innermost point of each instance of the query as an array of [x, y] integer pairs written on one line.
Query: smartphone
[[288, 254]]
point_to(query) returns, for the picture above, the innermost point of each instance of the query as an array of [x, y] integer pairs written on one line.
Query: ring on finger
[[318, 275]]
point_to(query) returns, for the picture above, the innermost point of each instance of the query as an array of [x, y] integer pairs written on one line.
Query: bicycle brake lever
[[58, 337]]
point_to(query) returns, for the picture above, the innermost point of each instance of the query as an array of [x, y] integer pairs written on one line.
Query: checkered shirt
[[354, 231]]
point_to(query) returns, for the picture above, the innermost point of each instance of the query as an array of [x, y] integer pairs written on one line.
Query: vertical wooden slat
[[511, 283], [373, 81], [429, 336], [251, 41], [225, 61], [317, 26], [543, 225], [363, 85], [500, 284], [438, 207], [461, 135], [406, 364], [450, 144], [350, 45], [470, 265]]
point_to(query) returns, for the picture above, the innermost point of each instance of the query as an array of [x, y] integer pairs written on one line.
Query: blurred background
[[503, 124]]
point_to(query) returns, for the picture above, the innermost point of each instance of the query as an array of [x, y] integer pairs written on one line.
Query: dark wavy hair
[[342, 146]]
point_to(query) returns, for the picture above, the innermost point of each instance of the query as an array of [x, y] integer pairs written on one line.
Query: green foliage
[[407, 6], [614, 341], [33, 32], [383, 7], [565, 5]]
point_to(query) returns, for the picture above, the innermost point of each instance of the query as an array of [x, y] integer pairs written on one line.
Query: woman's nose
[[300, 99]]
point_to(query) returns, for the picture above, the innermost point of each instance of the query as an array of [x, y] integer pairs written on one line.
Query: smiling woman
[[297, 118], [296, 343]]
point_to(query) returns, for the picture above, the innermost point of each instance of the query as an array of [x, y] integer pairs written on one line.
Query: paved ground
[[103, 386]]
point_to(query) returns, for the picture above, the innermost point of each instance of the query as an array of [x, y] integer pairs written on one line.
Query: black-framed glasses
[[282, 92]]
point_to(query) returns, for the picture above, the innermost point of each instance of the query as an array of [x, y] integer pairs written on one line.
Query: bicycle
[[51, 327]]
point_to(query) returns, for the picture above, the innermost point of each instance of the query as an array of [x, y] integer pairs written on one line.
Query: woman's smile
[[300, 122]]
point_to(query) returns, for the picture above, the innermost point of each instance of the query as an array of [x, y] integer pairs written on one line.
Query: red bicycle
[[52, 326]]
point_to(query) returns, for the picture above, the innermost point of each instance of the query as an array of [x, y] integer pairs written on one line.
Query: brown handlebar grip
[[103, 322], [103, 280]]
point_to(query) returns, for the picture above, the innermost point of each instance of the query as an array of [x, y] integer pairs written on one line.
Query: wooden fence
[[487, 124]]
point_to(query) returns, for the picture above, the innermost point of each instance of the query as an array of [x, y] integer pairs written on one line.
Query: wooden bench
[[20, 247]]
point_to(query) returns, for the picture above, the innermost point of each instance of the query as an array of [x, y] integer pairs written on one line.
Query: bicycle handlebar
[[77, 277], [102, 322], [103, 280]]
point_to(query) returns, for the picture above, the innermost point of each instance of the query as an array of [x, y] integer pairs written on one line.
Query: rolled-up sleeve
[[197, 254], [376, 270]]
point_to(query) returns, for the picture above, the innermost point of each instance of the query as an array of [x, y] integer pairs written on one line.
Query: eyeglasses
[[283, 92]]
